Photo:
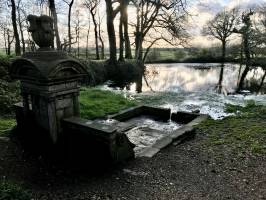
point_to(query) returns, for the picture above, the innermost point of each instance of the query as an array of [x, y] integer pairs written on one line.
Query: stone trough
[[150, 129]]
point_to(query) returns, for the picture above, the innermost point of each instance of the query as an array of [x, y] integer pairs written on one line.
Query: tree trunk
[[101, 40], [5, 40], [87, 44], [124, 13], [54, 15], [121, 37], [111, 31], [78, 39], [137, 32], [69, 25], [21, 33], [262, 81], [9, 42], [96, 36], [242, 79], [248, 60], [220, 82], [14, 23]]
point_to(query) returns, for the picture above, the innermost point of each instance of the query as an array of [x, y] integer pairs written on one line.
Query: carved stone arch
[[67, 68], [24, 68]]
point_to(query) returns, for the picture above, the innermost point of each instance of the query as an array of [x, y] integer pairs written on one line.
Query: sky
[[204, 10], [200, 12]]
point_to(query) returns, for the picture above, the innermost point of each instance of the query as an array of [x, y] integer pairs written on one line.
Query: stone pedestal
[[49, 87]]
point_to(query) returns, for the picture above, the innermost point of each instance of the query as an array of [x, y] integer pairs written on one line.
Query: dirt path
[[184, 171]]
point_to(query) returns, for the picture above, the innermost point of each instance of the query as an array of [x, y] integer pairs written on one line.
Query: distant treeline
[[198, 55]]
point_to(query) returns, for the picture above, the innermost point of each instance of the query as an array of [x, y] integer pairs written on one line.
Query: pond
[[191, 87]]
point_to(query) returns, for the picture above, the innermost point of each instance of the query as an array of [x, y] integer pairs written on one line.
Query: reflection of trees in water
[[149, 75], [175, 77], [262, 83], [219, 87], [256, 83]]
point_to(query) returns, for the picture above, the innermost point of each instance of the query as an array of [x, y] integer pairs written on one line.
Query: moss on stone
[[6, 125]]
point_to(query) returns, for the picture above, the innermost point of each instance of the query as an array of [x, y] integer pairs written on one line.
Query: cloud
[[204, 10]]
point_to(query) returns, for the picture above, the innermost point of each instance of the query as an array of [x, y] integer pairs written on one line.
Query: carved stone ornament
[[41, 28]]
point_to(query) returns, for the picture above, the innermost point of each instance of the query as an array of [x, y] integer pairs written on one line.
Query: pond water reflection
[[190, 87], [191, 77]]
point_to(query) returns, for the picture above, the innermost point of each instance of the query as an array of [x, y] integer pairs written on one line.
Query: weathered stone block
[[181, 132], [163, 142], [184, 117], [149, 152], [100, 142]]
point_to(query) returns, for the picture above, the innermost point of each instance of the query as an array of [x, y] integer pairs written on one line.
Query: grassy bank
[[97, 103], [244, 133]]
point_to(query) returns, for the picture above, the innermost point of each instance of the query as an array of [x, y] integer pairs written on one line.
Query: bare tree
[[15, 28], [54, 15], [92, 5], [121, 32], [77, 31], [100, 35], [87, 39], [164, 16], [221, 27], [246, 32], [6, 30], [70, 4], [110, 16], [7, 36], [124, 13], [21, 19]]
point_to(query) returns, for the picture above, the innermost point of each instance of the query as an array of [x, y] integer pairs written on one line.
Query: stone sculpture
[[41, 28]]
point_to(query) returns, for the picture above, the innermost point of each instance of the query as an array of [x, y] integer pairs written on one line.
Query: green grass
[[243, 133], [11, 191], [97, 103], [6, 125]]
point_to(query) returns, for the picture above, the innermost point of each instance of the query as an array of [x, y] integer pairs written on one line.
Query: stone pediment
[[45, 66]]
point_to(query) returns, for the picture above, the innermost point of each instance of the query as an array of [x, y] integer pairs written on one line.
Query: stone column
[[76, 104], [26, 106], [52, 119]]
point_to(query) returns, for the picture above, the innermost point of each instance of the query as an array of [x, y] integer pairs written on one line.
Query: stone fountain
[[49, 114]]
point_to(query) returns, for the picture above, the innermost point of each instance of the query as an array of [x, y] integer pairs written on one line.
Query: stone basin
[[151, 128]]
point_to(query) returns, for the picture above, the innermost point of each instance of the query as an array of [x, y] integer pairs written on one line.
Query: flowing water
[[146, 131], [190, 87]]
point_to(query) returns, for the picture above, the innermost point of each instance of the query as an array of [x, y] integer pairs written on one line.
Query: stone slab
[[184, 117], [148, 152], [127, 114], [163, 142], [90, 125], [198, 120], [181, 131], [125, 126]]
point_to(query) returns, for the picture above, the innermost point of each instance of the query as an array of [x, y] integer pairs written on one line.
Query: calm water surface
[[188, 87]]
